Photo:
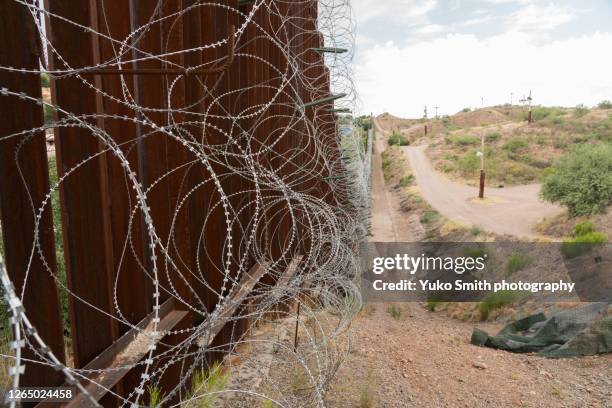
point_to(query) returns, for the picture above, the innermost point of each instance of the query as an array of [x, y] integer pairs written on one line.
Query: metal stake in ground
[[297, 325], [530, 117], [425, 117], [482, 168]]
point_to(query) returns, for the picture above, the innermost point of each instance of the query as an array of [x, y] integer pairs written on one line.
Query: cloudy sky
[[452, 53]]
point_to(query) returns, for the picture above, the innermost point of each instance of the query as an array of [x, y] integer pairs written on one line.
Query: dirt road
[[510, 210]]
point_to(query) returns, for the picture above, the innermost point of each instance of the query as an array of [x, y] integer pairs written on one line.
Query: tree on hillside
[[581, 180]]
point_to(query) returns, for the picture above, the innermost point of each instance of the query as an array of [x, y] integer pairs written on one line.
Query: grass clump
[[580, 111], [394, 311], [515, 145], [474, 252], [475, 230], [493, 137], [207, 386], [582, 244], [429, 216], [583, 228], [464, 140], [156, 396], [518, 262], [497, 300], [398, 139], [406, 181], [581, 180]]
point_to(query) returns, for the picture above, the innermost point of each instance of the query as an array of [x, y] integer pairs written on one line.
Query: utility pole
[[511, 98], [482, 101], [425, 117], [482, 167], [436, 108], [530, 117]]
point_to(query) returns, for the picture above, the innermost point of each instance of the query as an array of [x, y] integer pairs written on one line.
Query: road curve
[[510, 210]]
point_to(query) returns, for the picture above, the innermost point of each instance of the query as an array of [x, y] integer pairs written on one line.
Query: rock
[[405, 375], [479, 364]]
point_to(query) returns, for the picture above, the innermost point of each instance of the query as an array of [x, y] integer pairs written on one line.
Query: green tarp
[[566, 334]]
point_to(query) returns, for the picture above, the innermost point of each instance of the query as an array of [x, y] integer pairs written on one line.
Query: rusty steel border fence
[[147, 106]]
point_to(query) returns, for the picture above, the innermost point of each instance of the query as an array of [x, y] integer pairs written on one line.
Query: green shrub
[[429, 216], [497, 300], [580, 111], [465, 110], [518, 262], [464, 140], [207, 386], [474, 252], [605, 105], [468, 163], [406, 181], [394, 311], [449, 125], [581, 180], [397, 139], [45, 82], [432, 304], [514, 145], [48, 114], [475, 231], [493, 137], [582, 244], [583, 228]]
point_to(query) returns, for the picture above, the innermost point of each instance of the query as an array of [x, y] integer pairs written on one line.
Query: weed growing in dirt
[[207, 386], [429, 216], [583, 228], [517, 262], [394, 311], [155, 396], [497, 300], [464, 140], [582, 244], [493, 137], [406, 181], [475, 231], [515, 145]]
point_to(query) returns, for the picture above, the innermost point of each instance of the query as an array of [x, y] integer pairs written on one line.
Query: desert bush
[[581, 180], [465, 110], [406, 181], [583, 228], [515, 144], [449, 125], [517, 262], [582, 244], [464, 140], [429, 216], [605, 105], [493, 137], [580, 111], [468, 163], [398, 139], [497, 300], [474, 252]]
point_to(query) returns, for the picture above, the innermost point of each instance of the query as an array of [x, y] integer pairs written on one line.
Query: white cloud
[[398, 10], [457, 70], [537, 19]]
